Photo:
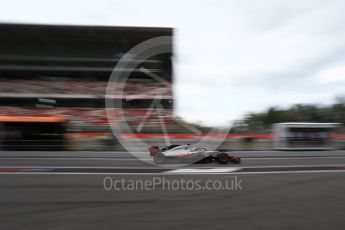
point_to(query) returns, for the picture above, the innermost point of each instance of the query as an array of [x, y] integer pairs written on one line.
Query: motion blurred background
[[53, 80], [256, 77]]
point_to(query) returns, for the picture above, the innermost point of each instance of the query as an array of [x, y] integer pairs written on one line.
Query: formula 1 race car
[[187, 153]]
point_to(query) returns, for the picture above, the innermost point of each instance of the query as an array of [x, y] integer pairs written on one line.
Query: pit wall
[[106, 142]]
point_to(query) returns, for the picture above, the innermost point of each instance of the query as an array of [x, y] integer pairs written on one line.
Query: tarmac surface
[[302, 190]]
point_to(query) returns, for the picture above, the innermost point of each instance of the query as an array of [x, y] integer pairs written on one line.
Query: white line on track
[[294, 166], [74, 158], [229, 173], [201, 170], [172, 167], [292, 172], [291, 158], [78, 167], [149, 159]]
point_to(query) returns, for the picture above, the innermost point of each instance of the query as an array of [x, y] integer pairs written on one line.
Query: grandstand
[[55, 70]]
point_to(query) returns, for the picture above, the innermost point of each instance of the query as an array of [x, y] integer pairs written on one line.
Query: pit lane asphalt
[[111, 159], [311, 199], [269, 201]]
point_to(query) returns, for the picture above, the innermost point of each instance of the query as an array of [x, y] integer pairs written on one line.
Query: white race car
[[190, 154]]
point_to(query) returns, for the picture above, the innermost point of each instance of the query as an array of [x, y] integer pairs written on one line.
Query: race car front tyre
[[159, 158], [223, 158], [235, 160]]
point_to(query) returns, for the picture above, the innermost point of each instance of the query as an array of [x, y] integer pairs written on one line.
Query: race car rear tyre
[[159, 158], [223, 158]]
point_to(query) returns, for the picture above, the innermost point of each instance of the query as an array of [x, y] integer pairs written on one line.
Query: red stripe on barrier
[[186, 136], [196, 136], [11, 170], [341, 167]]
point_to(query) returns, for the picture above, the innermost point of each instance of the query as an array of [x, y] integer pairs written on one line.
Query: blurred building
[[63, 71], [305, 136]]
